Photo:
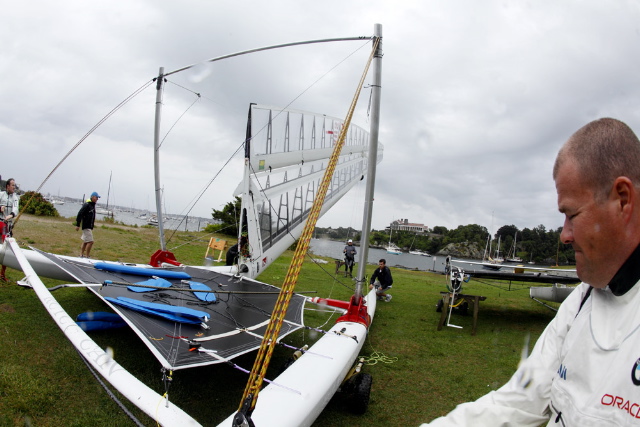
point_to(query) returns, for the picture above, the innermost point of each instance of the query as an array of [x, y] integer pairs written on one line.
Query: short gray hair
[[603, 150]]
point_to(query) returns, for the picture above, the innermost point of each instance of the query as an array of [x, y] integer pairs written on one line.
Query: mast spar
[[373, 153], [156, 157]]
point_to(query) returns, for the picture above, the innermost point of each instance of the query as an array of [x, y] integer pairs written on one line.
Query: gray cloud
[[476, 100]]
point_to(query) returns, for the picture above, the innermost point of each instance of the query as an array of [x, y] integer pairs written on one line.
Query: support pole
[[373, 157], [156, 157]]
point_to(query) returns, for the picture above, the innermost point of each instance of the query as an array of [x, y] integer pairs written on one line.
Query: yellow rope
[[461, 300], [379, 357], [263, 358]]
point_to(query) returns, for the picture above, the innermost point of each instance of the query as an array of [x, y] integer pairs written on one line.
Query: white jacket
[[583, 371], [10, 203]]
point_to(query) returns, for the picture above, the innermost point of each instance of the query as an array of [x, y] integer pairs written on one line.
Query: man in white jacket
[[585, 368], [9, 203]]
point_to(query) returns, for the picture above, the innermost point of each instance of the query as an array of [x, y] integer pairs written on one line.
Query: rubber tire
[[359, 401], [464, 309]]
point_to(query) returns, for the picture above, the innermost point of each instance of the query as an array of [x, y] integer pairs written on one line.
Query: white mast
[[156, 157], [373, 154]]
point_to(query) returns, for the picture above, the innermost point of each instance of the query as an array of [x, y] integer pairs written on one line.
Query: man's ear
[[625, 195]]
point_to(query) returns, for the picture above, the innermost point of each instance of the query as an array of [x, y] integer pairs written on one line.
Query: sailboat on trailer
[[228, 310]]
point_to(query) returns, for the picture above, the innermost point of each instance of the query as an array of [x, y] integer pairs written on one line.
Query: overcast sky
[[477, 96]]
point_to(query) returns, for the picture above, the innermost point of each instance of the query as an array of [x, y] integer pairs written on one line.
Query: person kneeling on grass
[[384, 280]]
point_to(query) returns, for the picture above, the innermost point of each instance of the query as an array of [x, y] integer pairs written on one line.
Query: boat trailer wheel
[[358, 389]]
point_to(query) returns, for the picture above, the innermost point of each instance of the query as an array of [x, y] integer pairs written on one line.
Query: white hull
[[555, 293], [315, 376], [41, 265], [419, 253], [44, 267], [154, 405], [393, 249]]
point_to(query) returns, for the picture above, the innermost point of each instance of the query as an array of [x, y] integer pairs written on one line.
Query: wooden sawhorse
[[470, 299]]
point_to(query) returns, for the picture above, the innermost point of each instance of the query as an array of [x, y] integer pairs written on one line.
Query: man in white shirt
[[9, 202], [585, 367]]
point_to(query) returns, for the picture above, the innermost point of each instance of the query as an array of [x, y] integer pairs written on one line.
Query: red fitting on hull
[[161, 256], [356, 313]]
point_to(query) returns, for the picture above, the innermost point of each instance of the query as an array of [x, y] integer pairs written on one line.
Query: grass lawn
[[419, 373]]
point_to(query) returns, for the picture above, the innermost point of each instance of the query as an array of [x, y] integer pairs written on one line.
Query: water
[[132, 217], [333, 249]]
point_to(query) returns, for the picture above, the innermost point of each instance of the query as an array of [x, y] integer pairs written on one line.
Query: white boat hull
[[44, 267], [40, 264], [555, 293], [316, 376], [158, 407]]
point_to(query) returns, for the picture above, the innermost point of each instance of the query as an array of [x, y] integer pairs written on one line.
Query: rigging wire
[[84, 137], [206, 187], [198, 97], [110, 393]]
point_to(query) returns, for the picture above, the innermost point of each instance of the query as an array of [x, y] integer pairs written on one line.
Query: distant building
[[405, 225]]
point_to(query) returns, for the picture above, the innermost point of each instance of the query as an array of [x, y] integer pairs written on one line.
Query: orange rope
[[263, 358]]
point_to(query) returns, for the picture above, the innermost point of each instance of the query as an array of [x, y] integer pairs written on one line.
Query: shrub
[[35, 204]]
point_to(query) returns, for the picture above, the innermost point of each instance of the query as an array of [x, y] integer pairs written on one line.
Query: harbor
[[135, 217]]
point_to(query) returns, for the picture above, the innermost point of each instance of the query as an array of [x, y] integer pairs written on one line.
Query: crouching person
[[382, 281]]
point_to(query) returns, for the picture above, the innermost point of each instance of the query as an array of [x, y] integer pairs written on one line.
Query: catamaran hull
[[158, 407], [43, 266], [553, 293], [307, 386], [40, 264]]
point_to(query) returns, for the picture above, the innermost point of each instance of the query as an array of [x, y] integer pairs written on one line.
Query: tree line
[[537, 244], [531, 245]]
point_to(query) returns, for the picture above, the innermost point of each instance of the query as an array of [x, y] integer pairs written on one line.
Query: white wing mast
[[286, 155]]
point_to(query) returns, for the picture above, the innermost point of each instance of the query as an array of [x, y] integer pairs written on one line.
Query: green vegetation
[[424, 373], [535, 244], [35, 204], [229, 218]]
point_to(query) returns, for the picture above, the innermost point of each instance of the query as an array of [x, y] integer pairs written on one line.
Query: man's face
[[590, 226], [11, 187], [94, 199], [381, 265]]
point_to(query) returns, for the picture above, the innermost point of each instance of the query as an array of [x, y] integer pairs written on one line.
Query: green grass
[[424, 373]]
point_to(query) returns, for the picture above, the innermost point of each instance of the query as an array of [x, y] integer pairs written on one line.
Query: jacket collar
[[628, 275]]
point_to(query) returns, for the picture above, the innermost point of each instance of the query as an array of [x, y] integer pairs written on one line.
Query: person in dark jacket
[[235, 251], [85, 220], [349, 258], [232, 255], [383, 275]]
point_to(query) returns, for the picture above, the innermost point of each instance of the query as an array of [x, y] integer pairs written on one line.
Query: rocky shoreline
[[462, 250]]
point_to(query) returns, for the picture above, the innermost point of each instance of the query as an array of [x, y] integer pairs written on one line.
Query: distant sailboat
[[417, 251], [511, 256], [392, 248], [105, 211]]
